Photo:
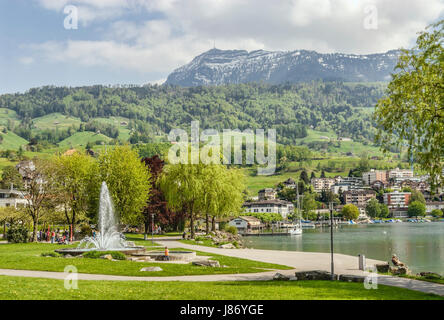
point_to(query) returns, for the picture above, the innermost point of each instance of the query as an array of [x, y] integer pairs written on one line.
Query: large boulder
[[401, 270], [280, 277], [383, 267], [314, 275], [227, 246], [351, 278], [207, 263], [396, 262], [151, 269]]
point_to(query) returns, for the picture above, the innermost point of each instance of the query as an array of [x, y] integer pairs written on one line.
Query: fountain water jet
[[108, 238]]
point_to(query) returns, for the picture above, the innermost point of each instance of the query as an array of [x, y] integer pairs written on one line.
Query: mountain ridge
[[216, 66]]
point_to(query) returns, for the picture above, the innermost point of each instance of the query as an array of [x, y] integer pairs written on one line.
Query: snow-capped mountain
[[239, 66]]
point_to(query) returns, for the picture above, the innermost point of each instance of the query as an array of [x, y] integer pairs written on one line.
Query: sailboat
[[297, 229]]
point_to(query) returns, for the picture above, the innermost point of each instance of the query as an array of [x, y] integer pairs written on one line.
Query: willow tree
[[184, 186], [225, 194], [412, 114]]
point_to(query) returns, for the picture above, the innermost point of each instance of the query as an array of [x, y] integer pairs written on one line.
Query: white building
[[400, 173], [432, 205], [374, 175], [246, 224], [397, 199], [272, 206], [12, 198], [320, 184]]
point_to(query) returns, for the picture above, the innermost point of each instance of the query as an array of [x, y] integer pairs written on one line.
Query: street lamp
[[152, 228], [331, 241]]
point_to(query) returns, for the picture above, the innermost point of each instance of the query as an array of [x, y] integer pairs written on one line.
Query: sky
[[85, 42]]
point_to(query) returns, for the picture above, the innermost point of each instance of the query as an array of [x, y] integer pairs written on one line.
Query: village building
[[246, 224], [284, 208], [397, 199], [359, 198]]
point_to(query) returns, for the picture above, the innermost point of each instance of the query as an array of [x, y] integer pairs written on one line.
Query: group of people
[[55, 236]]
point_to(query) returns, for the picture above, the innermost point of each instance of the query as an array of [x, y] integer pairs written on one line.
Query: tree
[[127, 180], [437, 213], [416, 209], [385, 212], [304, 177], [417, 196], [413, 111], [156, 204], [309, 204], [11, 176], [350, 212], [323, 174], [373, 209], [183, 186], [71, 180], [313, 175], [38, 191]]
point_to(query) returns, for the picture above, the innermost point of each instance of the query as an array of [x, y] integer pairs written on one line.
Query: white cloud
[[187, 28]]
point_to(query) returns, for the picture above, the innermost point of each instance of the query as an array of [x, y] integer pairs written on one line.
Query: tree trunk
[[145, 235], [213, 224], [192, 232], [34, 231], [4, 229], [207, 223]]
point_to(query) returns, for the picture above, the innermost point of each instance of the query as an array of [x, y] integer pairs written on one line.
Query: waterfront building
[[397, 199], [271, 206], [433, 205], [12, 198], [359, 197], [246, 224]]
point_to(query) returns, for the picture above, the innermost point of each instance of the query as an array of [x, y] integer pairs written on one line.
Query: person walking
[[52, 237]]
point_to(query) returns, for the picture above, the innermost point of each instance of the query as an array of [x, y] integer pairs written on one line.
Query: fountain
[[108, 238]]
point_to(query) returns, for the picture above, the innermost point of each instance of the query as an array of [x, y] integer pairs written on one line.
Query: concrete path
[[301, 261]]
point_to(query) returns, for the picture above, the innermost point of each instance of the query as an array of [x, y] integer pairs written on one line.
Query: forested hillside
[[141, 113]]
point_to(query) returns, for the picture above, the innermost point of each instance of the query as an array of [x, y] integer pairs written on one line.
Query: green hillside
[[11, 141], [55, 121], [82, 138]]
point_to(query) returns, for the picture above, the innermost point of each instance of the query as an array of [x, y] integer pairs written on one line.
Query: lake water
[[419, 245]]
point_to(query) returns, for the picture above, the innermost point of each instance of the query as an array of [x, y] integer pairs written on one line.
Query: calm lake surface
[[419, 245]]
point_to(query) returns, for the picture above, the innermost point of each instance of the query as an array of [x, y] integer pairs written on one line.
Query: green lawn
[[28, 257], [14, 288]]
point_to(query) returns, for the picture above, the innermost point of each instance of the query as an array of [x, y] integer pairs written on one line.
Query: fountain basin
[[79, 251]]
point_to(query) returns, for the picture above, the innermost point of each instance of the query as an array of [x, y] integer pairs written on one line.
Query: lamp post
[[152, 229], [331, 241]]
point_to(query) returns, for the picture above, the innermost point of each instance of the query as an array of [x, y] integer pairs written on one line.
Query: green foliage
[[266, 217], [413, 111], [153, 110], [97, 254], [127, 180], [231, 229], [437, 213], [350, 212], [374, 209], [10, 175], [17, 233], [417, 196], [416, 209]]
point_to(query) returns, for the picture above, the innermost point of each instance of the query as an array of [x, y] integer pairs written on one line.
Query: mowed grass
[[28, 257], [82, 138], [11, 141], [7, 115], [16, 288], [55, 120]]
